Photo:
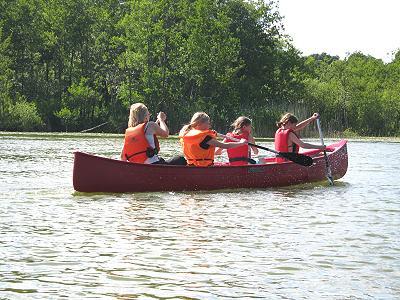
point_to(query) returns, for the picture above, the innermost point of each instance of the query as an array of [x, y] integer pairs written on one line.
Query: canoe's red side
[[99, 174]]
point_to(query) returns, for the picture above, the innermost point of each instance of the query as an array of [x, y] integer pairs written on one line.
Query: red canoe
[[99, 174]]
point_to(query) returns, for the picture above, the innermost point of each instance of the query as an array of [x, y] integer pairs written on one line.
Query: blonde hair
[[239, 123], [137, 114], [286, 118], [198, 118]]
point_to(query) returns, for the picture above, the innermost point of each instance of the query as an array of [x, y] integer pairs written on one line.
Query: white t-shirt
[[150, 139]]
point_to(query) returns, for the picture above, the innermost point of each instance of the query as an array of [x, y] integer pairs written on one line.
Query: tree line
[[70, 65]]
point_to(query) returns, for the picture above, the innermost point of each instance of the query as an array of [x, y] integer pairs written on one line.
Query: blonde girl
[[199, 141], [141, 143]]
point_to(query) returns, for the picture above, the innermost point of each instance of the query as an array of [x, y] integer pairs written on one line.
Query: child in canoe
[[141, 144], [199, 141], [287, 138], [240, 156]]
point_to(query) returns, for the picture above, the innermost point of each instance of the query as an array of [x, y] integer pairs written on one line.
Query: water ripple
[[303, 242]]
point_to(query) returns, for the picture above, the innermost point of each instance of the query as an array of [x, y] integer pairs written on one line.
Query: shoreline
[[388, 139]]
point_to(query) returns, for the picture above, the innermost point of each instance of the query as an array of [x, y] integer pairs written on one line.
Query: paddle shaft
[[297, 158], [250, 144], [327, 166]]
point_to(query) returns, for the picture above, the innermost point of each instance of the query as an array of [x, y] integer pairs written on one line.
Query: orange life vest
[[238, 156], [194, 154], [282, 144], [136, 147]]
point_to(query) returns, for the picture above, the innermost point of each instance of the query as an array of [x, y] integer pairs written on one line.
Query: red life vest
[[281, 142], [194, 154], [238, 156], [136, 147]]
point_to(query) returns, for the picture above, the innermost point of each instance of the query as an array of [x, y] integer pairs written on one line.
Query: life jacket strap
[[150, 152], [200, 159], [243, 158], [193, 165]]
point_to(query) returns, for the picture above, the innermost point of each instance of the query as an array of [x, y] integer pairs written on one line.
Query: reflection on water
[[302, 242]]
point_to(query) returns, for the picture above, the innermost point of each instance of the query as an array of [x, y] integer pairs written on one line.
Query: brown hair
[[198, 118], [239, 123], [286, 118], [137, 114]]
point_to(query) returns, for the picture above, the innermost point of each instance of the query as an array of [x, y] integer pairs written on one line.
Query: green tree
[[179, 54], [23, 116], [391, 97], [6, 75]]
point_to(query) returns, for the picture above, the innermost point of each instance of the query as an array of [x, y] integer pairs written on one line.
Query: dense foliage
[[73, 64]]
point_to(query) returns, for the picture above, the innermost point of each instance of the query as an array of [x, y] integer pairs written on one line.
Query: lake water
[[311, 241]]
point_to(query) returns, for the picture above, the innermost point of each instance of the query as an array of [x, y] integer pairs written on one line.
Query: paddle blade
[[297, 158], [328, 170]]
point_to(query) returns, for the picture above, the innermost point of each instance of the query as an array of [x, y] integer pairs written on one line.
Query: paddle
[[297, 158], [328, 172]]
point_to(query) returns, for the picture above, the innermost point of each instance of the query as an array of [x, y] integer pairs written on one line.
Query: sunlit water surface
[[301, 242]]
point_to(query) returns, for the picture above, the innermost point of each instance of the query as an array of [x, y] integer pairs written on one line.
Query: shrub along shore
[[74, 135]]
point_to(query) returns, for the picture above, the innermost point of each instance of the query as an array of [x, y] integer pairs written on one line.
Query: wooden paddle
[[297, 158], [328, 172]]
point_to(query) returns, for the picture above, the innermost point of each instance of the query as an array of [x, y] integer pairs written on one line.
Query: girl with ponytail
[[240, 156], [199, 141], [287, 138]]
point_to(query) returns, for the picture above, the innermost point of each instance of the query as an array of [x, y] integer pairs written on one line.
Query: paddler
[[141, 144], [240, 156], [199, 141], [287, 137]]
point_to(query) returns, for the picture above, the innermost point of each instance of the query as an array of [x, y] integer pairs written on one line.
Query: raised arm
[[304, 123], [159, 127]]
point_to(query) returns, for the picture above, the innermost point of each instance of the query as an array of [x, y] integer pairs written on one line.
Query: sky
[[342, 27]]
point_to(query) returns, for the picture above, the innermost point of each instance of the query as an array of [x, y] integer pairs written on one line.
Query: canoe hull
[[99, 174]]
